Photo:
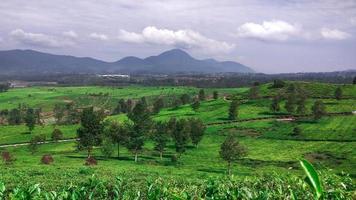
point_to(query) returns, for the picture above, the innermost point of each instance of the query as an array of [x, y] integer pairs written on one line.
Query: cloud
[[334, 34], [185, 38], [98, 36], [275, 30], [38, 39], [70, 34], [353, 21]]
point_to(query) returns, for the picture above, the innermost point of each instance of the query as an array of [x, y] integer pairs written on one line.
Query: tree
[[121, 107], [58, 111], [233, 110], [290, 104], [215, 95], [129, 105], [278, 83], [296, 131], [160, 137], [56, 135], [318, 109], [141, 124], [30, 119], [301, 100], [338, 93], [107, 147], [38, 115], [195, 105], [35, 141], [119, 134], [231, 150], [180, 132], [201, 95], [197, 129], [176, 103], [275, 104], [4, 87], [14, 117], [90, 132], [253, 92], [185, 99], [158, 105]]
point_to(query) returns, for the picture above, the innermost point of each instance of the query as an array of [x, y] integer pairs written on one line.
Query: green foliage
[[197, 129], [201, 95], [14, 117], [253, 92], [30, 119], [35, 142], [57, 135], [185, 99], [107, 147], [275, 107], [231, 151], [90, 132], [195, 105], [180, 130], [215, 95], [158, 105], [160, 136], [318, 109], [312, 178], [233, 109], [278, 83], [338, 93]]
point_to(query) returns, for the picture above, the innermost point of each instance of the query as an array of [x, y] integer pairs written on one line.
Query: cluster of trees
[[134, 133], [22, 114], [66, 113], [295, 102], [4, 87]]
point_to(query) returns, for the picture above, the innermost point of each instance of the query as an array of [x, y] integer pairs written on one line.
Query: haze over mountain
[[172, 61]]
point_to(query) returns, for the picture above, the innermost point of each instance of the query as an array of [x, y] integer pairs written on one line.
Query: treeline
[[21, 114]]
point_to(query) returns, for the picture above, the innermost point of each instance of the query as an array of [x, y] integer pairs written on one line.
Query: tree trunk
[[160, 155], [229, 168], [118, 150], [136, 157], [89, 151]]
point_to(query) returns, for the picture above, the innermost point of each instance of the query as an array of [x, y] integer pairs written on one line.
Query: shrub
[[7, 157], [47, 159], [91, 161], [57, 135]]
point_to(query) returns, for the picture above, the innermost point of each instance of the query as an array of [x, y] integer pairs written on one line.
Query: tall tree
[[119, 134], [195, 105], [301, 101], [215, 95], [185, 99], [197, 129], [290, 104], [253, 92], [141, 125], [158, 105], [91, 130], [338, 93], [58, 111], [318, 109], [233, 109], [160, 137], [30, 119], [275, 107], [231, 150], [201, 95], [14, 117], [180, 134]]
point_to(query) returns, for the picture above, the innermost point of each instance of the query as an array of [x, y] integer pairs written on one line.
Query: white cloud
[[334, 34], [269, 30], [38, 39], [70, 34], [180, 38], [353, 21], [98, 36]]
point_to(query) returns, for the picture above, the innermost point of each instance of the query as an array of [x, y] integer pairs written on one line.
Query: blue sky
[[270, 36]]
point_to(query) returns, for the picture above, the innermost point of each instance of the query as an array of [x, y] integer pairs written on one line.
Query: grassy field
[[329, 143]]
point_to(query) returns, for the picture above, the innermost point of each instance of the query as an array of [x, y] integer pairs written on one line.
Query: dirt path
[[46, 142]]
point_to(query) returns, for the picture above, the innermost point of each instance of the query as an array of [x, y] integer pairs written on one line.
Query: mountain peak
[[175, 52]]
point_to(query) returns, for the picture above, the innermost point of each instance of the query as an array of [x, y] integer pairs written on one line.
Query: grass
[[271, 147]]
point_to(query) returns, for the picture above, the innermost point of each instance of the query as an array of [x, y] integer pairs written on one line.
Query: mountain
[[172, 61]]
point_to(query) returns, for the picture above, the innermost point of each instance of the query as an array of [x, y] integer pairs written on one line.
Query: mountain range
[[168, 62]]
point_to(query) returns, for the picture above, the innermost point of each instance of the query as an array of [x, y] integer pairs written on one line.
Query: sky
[[270, 36]]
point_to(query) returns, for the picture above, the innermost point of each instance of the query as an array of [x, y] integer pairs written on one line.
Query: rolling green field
[[329, 143]]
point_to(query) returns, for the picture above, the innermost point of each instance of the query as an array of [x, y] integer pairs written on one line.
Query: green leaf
[[313, 178]]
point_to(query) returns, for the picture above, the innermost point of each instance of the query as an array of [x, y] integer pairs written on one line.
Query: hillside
[[173, 61]]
